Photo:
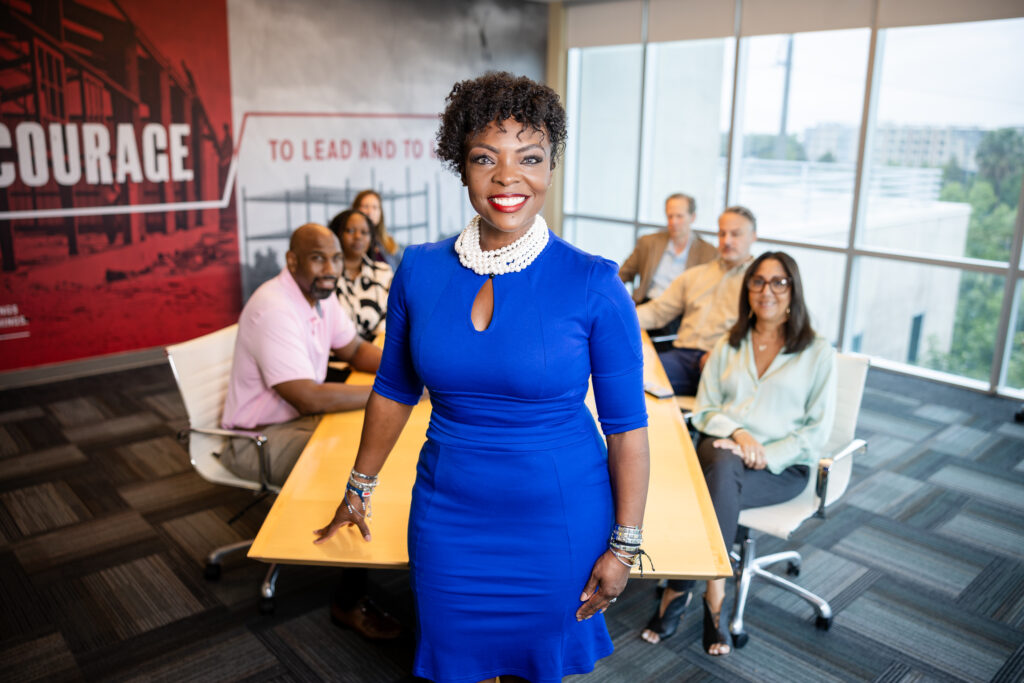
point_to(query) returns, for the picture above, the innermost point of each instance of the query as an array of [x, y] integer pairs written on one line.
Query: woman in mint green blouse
[[764, 411]]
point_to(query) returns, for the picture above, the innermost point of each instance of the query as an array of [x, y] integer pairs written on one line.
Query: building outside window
[[905, 224]]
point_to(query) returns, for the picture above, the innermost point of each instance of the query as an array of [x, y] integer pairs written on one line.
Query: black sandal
[[715, 633], [665, 625]]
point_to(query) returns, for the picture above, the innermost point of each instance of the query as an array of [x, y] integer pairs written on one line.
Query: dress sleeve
[[810, 437], [708, 416], [616, 358], [397, 378]]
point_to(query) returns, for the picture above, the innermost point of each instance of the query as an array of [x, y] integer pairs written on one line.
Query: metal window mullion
[[737, 26], [860, 187], [1009, 309], [644, 7]]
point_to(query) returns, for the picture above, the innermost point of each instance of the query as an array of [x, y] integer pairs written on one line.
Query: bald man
[[286, 333]]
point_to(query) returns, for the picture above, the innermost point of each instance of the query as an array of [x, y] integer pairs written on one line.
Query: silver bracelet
[[622, 558], [630, 535]]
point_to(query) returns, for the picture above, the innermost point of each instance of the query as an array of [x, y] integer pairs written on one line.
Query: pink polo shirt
[[280, 338]]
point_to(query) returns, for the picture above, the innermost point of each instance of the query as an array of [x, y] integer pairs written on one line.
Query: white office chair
[[833, 477], [202, 370]]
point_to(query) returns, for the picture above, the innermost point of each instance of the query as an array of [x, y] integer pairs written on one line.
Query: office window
[[947, 145], [797, 132], [959, 312], [604, 131], [605, 238], [687, 106]]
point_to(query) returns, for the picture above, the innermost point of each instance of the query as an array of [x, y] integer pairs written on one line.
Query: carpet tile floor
[[104, 529]]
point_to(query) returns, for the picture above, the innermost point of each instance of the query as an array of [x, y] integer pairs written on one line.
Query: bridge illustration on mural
[[406, 212]]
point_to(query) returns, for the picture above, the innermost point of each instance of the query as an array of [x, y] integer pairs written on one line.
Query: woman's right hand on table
[[350, 511]]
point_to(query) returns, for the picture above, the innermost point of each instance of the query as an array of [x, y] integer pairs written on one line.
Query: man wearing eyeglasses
[[707, 298]]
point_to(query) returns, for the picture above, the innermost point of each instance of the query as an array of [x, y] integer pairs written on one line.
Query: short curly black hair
[[496, 96]]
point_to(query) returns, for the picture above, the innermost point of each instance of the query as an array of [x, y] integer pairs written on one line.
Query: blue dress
[[512, 503]]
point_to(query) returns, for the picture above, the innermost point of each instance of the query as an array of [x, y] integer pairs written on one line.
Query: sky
[[948, 75]]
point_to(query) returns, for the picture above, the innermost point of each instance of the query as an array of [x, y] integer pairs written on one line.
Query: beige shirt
[[707, 296]]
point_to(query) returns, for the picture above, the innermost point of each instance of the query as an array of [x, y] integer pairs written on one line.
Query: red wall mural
[[118, 230]]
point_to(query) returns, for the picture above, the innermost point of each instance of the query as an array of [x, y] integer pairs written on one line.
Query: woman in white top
[[764, 410], [364, 284]]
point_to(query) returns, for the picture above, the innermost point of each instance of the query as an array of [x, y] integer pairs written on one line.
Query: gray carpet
[[104, 526]]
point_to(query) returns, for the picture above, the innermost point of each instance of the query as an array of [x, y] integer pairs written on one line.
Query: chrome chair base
[[750, 566]]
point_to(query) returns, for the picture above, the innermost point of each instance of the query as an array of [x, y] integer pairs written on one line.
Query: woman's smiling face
[[508, 171]]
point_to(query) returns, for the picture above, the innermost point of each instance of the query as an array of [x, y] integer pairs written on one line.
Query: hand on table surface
[[350, 511]]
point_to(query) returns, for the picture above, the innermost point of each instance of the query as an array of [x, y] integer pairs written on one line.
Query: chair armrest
[[257, 437], [825, 466]]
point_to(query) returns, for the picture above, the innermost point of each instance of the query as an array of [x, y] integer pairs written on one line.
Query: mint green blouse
[[789, 409]]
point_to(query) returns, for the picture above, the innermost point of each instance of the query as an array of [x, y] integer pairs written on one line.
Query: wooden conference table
[[680, 530]]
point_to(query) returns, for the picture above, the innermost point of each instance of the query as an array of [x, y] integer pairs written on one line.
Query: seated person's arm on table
[[312, 398], [666, 306]]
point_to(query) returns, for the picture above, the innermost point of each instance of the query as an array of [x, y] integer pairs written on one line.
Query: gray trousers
[[285, 442], [734, 487]]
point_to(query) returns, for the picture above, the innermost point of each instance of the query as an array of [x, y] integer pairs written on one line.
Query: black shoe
[[366, 619], [716, 629], [665, 625]]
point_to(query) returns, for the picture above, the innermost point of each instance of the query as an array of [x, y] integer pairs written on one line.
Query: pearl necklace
[[511, 258]]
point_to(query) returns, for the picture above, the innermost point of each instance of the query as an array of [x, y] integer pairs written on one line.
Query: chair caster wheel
[[266, 606], [739, 639], [793, 569], [823, 623], [211, 572]]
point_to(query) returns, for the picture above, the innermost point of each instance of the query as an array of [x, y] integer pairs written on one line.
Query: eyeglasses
[[778, 284]]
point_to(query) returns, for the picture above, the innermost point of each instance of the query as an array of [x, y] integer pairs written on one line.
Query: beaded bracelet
[[626, 548], [624, 544], [635, 559], [632, 535], [362, 485]]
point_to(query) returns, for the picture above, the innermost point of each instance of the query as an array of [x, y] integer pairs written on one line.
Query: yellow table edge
[[313, 490]]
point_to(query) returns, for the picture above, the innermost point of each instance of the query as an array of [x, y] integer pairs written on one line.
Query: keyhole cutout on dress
[[483, 306]]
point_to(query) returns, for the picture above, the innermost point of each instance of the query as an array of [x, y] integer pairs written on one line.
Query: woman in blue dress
[[523, 525]]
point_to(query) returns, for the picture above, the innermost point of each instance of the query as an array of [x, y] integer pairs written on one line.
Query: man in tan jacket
[[707, 297], [660, 258]]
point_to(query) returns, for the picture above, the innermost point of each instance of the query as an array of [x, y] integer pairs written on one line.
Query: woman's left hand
[[607, 580], [751, 449]]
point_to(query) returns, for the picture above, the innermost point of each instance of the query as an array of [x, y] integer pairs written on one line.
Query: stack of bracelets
[[362, 485], [625, 546]]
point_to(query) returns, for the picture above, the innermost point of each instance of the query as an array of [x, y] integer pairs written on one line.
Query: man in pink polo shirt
[[286, 334], [287, 331]]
